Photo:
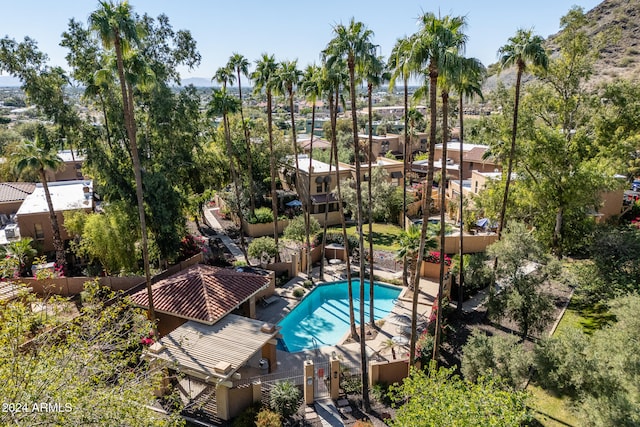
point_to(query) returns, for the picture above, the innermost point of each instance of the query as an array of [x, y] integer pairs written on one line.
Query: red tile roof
[[202, 293], [475, 155], [15, 191]]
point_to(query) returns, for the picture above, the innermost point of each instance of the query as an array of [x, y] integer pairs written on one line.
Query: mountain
[[8, 81], [616, 20], [197, 82]]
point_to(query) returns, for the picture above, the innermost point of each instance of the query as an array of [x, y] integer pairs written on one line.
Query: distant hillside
[[619, 58]]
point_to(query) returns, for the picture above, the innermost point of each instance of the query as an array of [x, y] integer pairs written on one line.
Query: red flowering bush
[[434, 257]]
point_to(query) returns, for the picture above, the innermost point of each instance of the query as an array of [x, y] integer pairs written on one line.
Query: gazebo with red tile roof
[[202, 293]]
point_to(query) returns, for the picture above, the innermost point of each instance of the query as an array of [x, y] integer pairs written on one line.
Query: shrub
[[267, 418], [285, 398], [434, 257], [298, 292], [351, 384], [263, 215], [308, 284]]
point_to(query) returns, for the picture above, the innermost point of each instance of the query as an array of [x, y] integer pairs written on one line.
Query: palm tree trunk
[[460, 169], [512, 154], [234, 178], [372, 319], [407, 144], [361, 263], [334, 147], [252, 204], [426, 207], [443, 208], [272, 170], [127, 107], [333, 119], [58, 244], [305, 204], [308, 210]]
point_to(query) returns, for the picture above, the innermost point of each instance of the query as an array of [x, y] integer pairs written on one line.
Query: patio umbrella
[[294, 203]]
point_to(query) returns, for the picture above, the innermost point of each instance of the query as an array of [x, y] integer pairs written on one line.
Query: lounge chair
[[266, 301]]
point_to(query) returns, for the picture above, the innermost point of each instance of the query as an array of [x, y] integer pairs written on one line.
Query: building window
[[319, 188], [39, 231], [476, 189], [326, 187], [470, 165]]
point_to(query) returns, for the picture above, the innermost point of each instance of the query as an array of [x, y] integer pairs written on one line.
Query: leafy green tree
[[22, 251], [496, 356], [298, 229], [263, 248], [599, 371], [437, 397], [523, 269], [562, 164], [31, 157], [105, 237], [285, 398], [385, 204], [88, 371]]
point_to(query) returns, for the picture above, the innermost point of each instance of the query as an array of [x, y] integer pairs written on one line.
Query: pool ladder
[[315, 345]]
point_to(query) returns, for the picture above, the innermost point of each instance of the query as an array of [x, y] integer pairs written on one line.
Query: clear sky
[[291, 29]]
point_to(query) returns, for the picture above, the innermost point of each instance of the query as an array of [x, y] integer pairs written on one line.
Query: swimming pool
[[323, 314]]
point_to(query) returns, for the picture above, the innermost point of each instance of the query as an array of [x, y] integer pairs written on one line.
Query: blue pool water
[[324, 314]]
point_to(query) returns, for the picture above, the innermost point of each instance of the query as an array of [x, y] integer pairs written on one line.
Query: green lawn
[[550, 410], [588, 319], [385, 236]]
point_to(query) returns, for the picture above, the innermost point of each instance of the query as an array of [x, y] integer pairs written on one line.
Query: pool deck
[[350, 352]]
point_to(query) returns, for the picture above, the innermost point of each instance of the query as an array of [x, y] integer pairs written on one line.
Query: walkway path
[[212, 222]]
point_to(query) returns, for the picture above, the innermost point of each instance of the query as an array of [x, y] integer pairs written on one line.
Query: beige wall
[[27, 224], [265, 229], [68, 173], [388, 372], [612, 202]]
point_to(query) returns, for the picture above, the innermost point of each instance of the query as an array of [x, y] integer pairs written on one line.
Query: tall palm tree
[[225, 76], [468, 83], [30, 157], [447, 74], [331, 79], [222, 103], [117, 29], [263, 76], [353, 44], [286, 80], [311, 87], [523, 49], [400, 62], [437, 40], [240, 64], [375, 73]]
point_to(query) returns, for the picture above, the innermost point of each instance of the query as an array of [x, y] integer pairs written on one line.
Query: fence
[[68, 286]]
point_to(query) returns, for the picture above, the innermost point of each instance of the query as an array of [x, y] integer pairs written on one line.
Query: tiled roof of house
[[15, 191], [475, 154], [202, 293]]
